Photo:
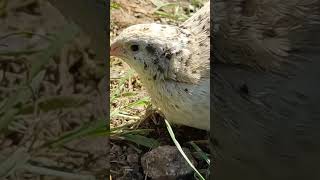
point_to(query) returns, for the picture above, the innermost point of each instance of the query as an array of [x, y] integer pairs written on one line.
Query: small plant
[[175, 11], [114, 5]]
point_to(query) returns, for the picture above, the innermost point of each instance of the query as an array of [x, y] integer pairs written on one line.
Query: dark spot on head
[[199, 18], [150, 49], [156, 61], [134, 58], [160, 69], [168, 55], [176, 106], [186, 90], [186, 63], [203, 27], [244, 89], [183, 27], [194, 71], [134, 48], [145, 66], [178, 52], [155, 77]]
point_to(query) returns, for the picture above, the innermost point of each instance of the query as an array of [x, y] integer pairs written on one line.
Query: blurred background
[[51, 96]]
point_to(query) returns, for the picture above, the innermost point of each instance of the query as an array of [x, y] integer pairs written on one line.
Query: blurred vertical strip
[[93, 17], [107, 77], [211, 90]]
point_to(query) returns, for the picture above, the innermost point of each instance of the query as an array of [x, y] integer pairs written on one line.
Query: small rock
[[133, 158], [116, 150], [166, 161]]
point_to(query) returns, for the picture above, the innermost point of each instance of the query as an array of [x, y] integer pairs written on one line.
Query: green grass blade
[[141, 140], [15, 161], [202, 154], [173, 137], [163, 5], [83, 131], [114, 113], [157, 3], [121, 131], [35, 82], [52, 172], [115, 5], [54, 103], [25, 33], [122, 81], [141, 102], [8, 111], [7, 118], [21, 52]]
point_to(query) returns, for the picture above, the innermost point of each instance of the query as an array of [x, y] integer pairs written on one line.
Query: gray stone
[[166, 161]]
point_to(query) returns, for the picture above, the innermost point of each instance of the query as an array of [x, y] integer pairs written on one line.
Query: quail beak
[[115, 49]]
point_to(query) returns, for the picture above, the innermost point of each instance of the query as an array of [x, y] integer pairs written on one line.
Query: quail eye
[[134, 48]]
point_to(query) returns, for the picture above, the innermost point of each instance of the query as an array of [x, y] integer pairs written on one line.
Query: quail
[[173, 63]]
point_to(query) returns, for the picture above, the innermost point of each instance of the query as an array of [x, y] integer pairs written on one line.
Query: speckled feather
[[199, 26]]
